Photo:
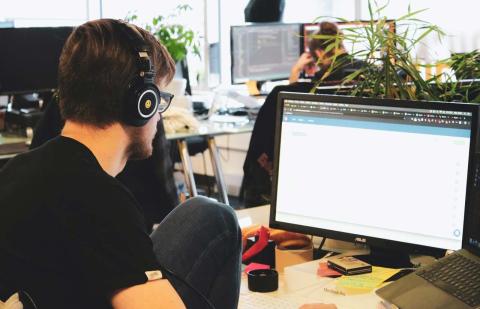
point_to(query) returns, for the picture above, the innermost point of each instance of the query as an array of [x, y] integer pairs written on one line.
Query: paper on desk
[[359, 284]]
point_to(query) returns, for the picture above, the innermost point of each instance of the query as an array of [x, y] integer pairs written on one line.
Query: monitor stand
[[376, 256], [386, 258], [395, 258]]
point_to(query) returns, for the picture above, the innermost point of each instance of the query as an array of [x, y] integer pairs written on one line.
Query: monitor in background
[[392, 174], [264, 52], [29, 58]]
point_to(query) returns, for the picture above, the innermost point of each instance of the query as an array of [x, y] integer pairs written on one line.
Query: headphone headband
[[137, 46], [133, 35]]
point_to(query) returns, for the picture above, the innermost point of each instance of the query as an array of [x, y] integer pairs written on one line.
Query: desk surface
[[207, 128], [300, 283]]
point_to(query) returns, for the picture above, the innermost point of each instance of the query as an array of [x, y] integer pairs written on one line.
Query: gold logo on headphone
[[148, 104]]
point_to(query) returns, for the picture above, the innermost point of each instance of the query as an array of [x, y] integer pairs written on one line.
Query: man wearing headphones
[[62, 247]]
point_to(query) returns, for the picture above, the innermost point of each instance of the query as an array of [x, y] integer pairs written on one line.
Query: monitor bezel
[[238, 81], [358, 238]]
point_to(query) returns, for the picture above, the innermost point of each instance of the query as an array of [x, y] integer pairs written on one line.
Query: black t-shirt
[[70, 234], [345, 65]]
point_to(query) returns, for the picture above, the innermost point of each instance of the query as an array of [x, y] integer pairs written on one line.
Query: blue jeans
[[200, 241]]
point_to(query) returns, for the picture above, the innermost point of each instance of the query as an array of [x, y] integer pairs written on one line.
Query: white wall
[[48, 12], [307, 10]]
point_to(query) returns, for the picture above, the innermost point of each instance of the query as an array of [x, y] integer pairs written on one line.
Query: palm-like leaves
[[390, 70]]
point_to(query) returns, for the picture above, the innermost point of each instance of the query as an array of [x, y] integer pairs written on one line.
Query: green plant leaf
[[177, 39], [391, 71]]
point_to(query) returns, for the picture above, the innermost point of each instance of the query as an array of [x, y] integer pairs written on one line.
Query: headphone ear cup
[[141, 102]]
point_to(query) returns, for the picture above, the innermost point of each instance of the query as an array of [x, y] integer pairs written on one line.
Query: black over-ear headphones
[[142, 96]]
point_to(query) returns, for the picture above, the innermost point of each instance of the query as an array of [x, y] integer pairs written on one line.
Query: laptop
[[450, 282]]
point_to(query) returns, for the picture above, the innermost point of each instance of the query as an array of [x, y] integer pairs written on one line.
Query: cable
[[203, 297]]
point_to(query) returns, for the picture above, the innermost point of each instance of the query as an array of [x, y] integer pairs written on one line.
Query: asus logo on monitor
[[362, 240]]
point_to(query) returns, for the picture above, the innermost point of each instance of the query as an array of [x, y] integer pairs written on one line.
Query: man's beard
[[140, 147]]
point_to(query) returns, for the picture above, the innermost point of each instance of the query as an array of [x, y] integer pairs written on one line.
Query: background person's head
[[319, 46], [96, 66]]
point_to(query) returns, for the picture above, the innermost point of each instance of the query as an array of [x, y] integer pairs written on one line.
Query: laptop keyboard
[[456, 275]]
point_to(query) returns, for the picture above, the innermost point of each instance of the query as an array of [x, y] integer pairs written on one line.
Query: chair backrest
[[256, 185]]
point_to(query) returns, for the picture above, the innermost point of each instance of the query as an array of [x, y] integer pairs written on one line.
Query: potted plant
[[177, 38], [390, 71], [467, 68]]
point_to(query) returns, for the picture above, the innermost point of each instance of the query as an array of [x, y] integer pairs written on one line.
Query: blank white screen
[[401, 186]]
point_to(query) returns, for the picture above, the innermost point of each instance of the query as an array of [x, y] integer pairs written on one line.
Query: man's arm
[[304, 59], [150, 295]]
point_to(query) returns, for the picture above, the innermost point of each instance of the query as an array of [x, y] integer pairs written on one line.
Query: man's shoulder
[[52, 152], [64, 168]]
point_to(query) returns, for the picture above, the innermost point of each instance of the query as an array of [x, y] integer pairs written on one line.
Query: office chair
[[256, 185]]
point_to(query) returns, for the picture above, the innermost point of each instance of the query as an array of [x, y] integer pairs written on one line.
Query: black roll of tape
[[263, 280]]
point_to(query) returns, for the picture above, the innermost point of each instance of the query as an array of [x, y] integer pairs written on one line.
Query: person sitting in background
[[333, 62], [71, 235]]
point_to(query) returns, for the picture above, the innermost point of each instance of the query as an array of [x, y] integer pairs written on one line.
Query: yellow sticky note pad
[[366, 282]]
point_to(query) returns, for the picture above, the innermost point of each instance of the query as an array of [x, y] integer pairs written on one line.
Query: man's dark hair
[[327, 29], [96, 65]]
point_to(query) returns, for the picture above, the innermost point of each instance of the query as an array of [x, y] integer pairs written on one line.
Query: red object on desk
[[255, 266], [263, 235], [324, 271]]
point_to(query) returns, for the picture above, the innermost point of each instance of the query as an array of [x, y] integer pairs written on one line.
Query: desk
[[209, 130], [299, 283]]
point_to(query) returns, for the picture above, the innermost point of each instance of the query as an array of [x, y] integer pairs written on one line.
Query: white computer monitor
[[391, 173]]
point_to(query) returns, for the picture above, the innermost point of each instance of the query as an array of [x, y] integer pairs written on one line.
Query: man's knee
[[209, 206], [217, 214]]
